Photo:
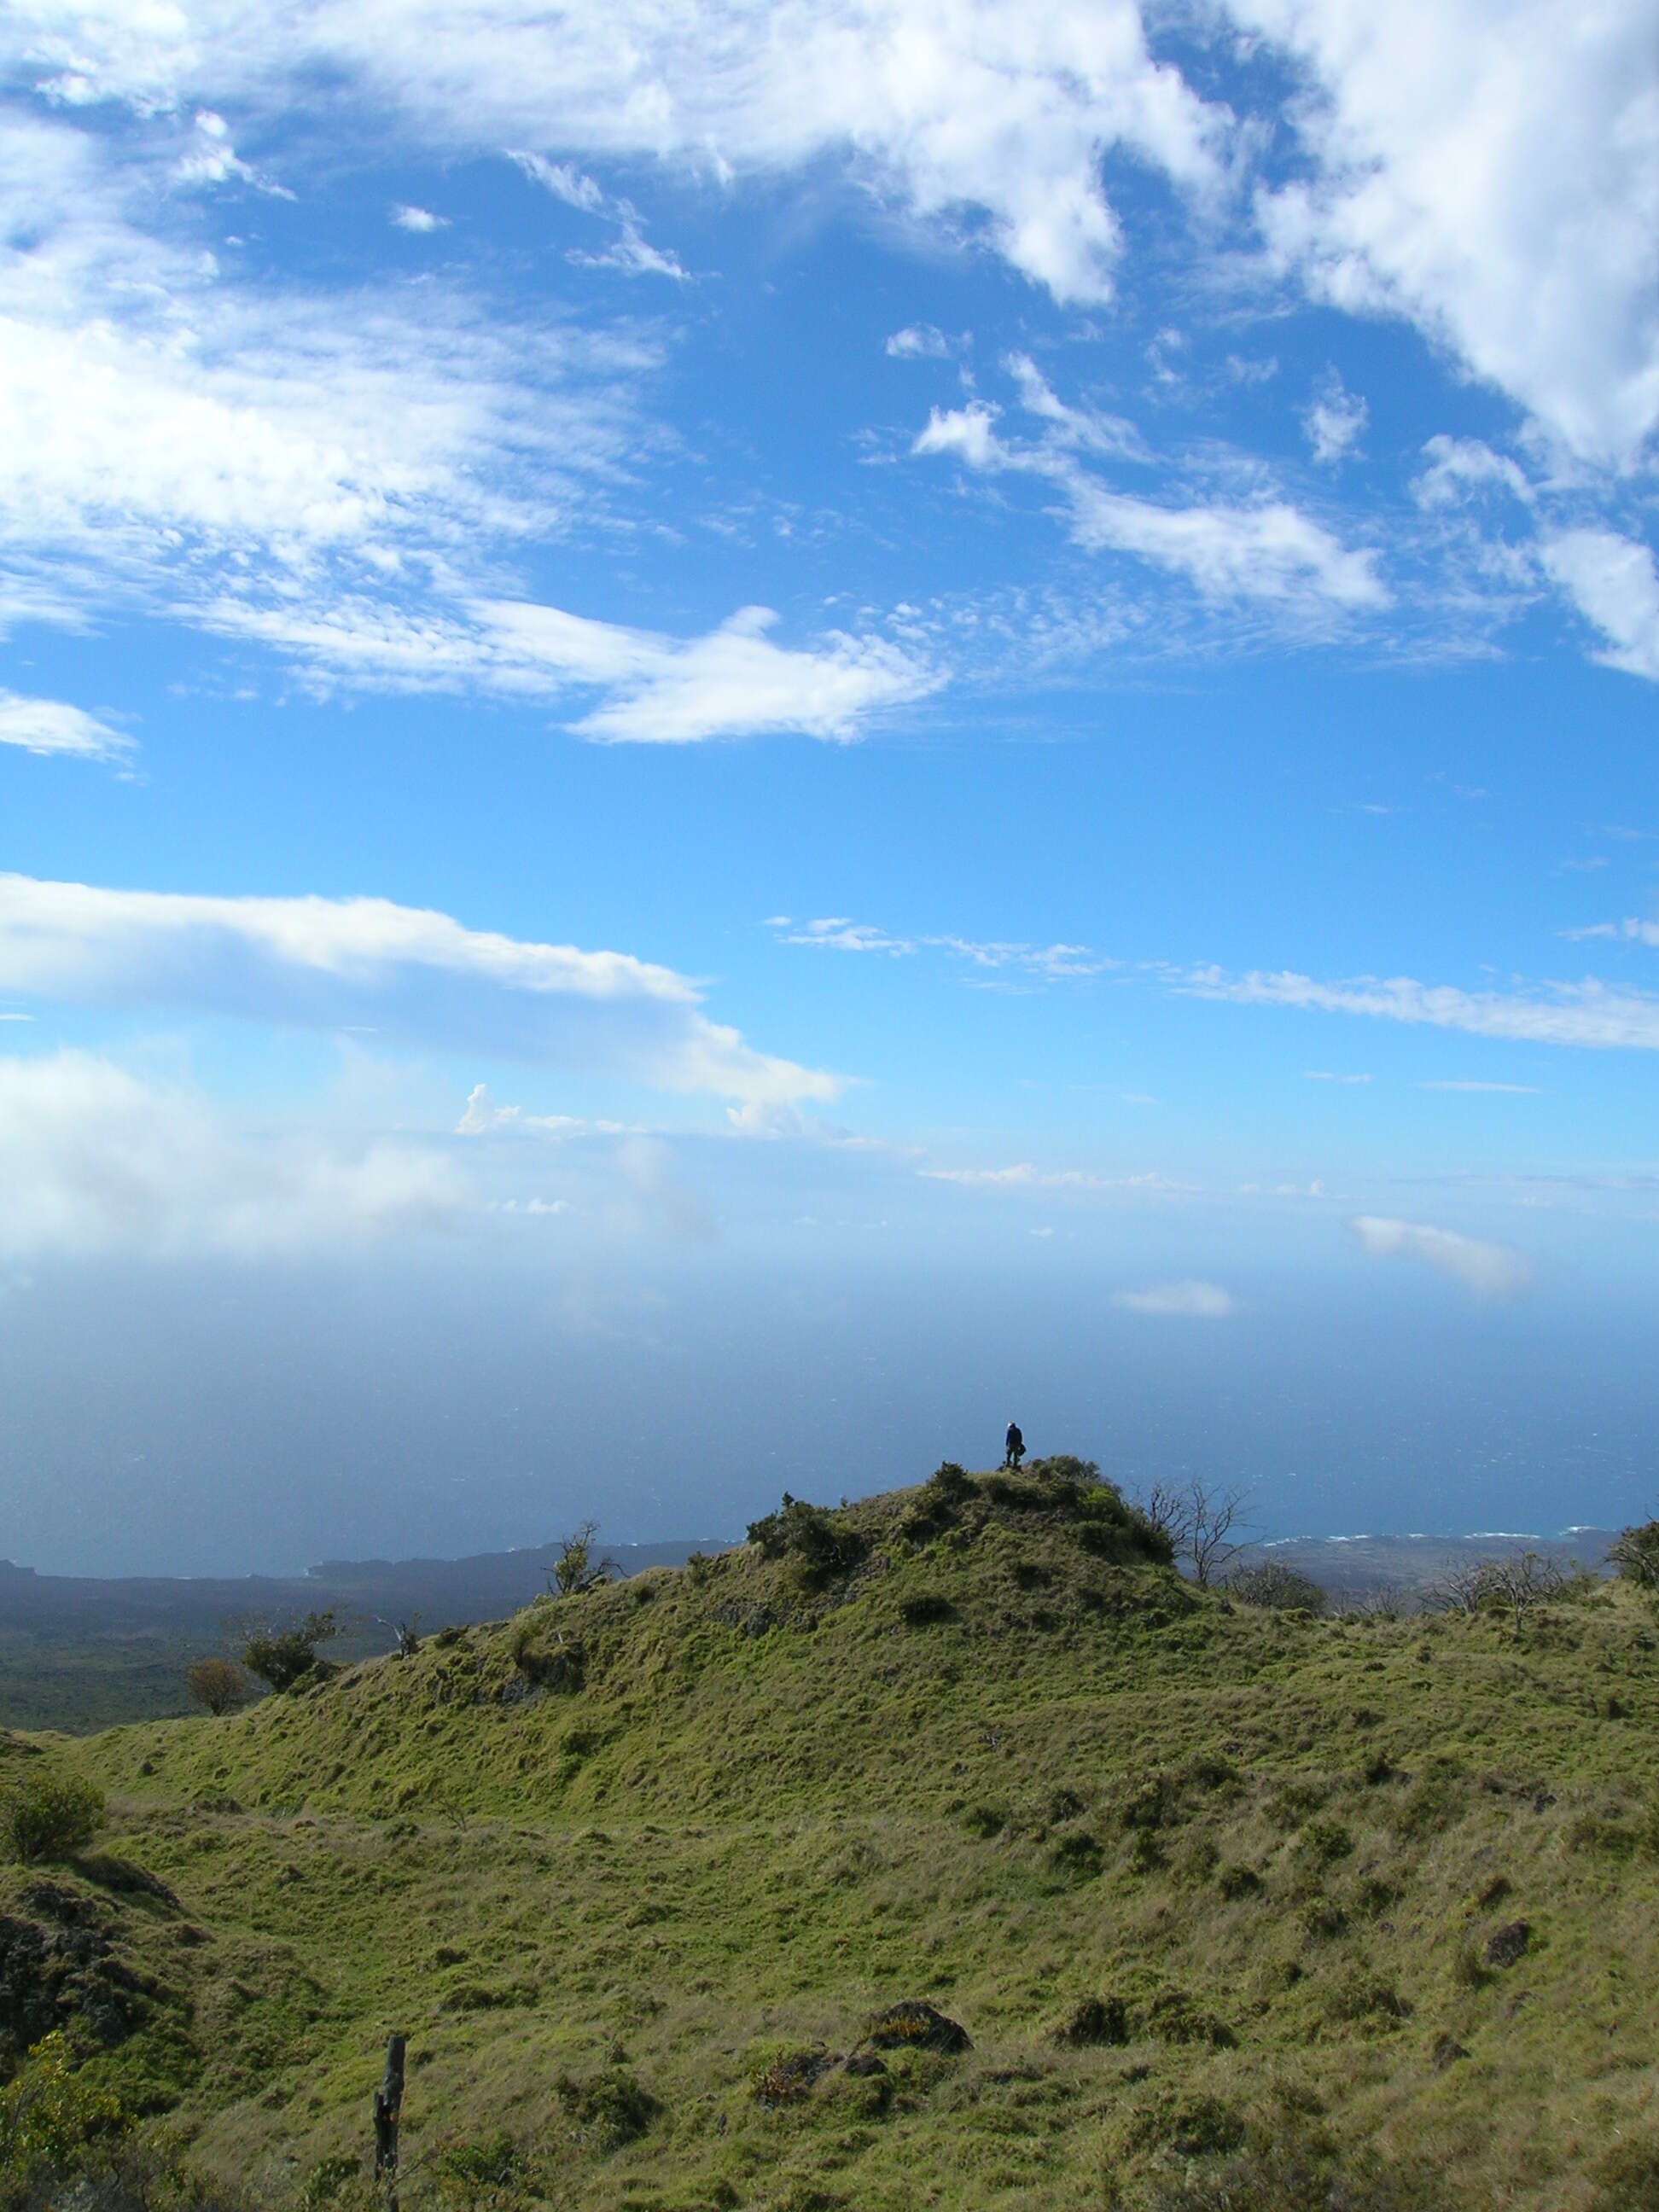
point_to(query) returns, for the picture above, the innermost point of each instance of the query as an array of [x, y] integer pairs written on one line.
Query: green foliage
[[49, 2115], [285, 1658], [1236, 1881], [51, 1816], [1095, 2022], [1635, 1553], [611, 2107], [821, 1546], [576, 1572]]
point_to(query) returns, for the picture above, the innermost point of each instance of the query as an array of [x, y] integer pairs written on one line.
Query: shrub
[[1635, 1553], [1173, 2017], [925, 1609], [1277, 1587], [821, 1549], [1079, 1853], [616, 2107], [281, 1660], [1323, 1842], [1236, 1881], [575, 1572], [50, 2113], [1095, 2022], [1153, 1803], [52, 1817], [217, 1684]]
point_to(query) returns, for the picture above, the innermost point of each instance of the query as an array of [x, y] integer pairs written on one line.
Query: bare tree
[[408, 1633], [1463, 1586], [1516, 1583], [1169, 1512], [575, 1572], [1523, 1580], [1198, 1520], [1215, 1514]]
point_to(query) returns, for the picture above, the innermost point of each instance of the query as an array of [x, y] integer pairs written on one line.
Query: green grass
[[611, 1865]]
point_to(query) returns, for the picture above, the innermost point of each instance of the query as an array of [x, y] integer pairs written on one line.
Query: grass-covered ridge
[[1227, 1901]]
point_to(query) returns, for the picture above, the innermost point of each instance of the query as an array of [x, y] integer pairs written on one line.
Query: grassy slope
[[729, 1844]]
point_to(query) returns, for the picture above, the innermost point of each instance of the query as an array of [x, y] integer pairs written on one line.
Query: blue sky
[[747, 654]]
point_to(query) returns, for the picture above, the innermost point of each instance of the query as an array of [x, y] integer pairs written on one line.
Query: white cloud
[[418, 218], [1335, 421], [1586, 1014], [1472, 1084], [1495, 181], [1612, 582], [920, 342], [481, 1117], [1490, 1271], [1271, 551], [94, 1160], [733, 683], [968, 432], [1026, 1176], [1184, 1301], [1267, 551], [1457, 468], [48, 726], [836, 933], [331, 964], [1330, 1075], [976, 120]]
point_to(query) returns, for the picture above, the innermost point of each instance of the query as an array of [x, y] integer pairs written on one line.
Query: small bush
[[1635, 1553], [791, 2078], [283, 1659], [1078, 1854], [985, 1820], [1627, 2179], [1096, 2022], [50, 1817], [217, 1684], [49, 2114], [1173, 2017], [1236, 1881], [926, 1609], [1275, 1586], [821, 1550], [448, 1638], [1154, 1803], [1323, 1843], [612, 2105]]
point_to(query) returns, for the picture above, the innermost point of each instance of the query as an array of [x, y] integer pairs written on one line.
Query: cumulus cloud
[[336, 964], [1612, 582], [48, 726], [1183, 1301], [1588, 1014], [418, 218], [94, 1159], [1490, 1271], [1495, 183]]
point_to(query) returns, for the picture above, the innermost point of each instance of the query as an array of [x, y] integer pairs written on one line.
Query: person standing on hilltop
[[1013, 1446]]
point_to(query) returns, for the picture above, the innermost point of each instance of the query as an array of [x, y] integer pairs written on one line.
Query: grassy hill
[[1237, 1908]]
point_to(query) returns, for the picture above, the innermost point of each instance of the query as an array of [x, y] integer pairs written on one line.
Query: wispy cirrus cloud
[[1041, 962], [1589, 1014], [1490, 1271], [1189, 1300], [333, 963], [1266, 551]]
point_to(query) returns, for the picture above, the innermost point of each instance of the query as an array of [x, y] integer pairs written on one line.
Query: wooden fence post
[[388, 2105]]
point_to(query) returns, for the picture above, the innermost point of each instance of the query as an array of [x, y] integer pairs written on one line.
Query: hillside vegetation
[[1237, 1907]]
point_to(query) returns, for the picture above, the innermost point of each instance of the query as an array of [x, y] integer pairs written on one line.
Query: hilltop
[[1233, 1907]]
